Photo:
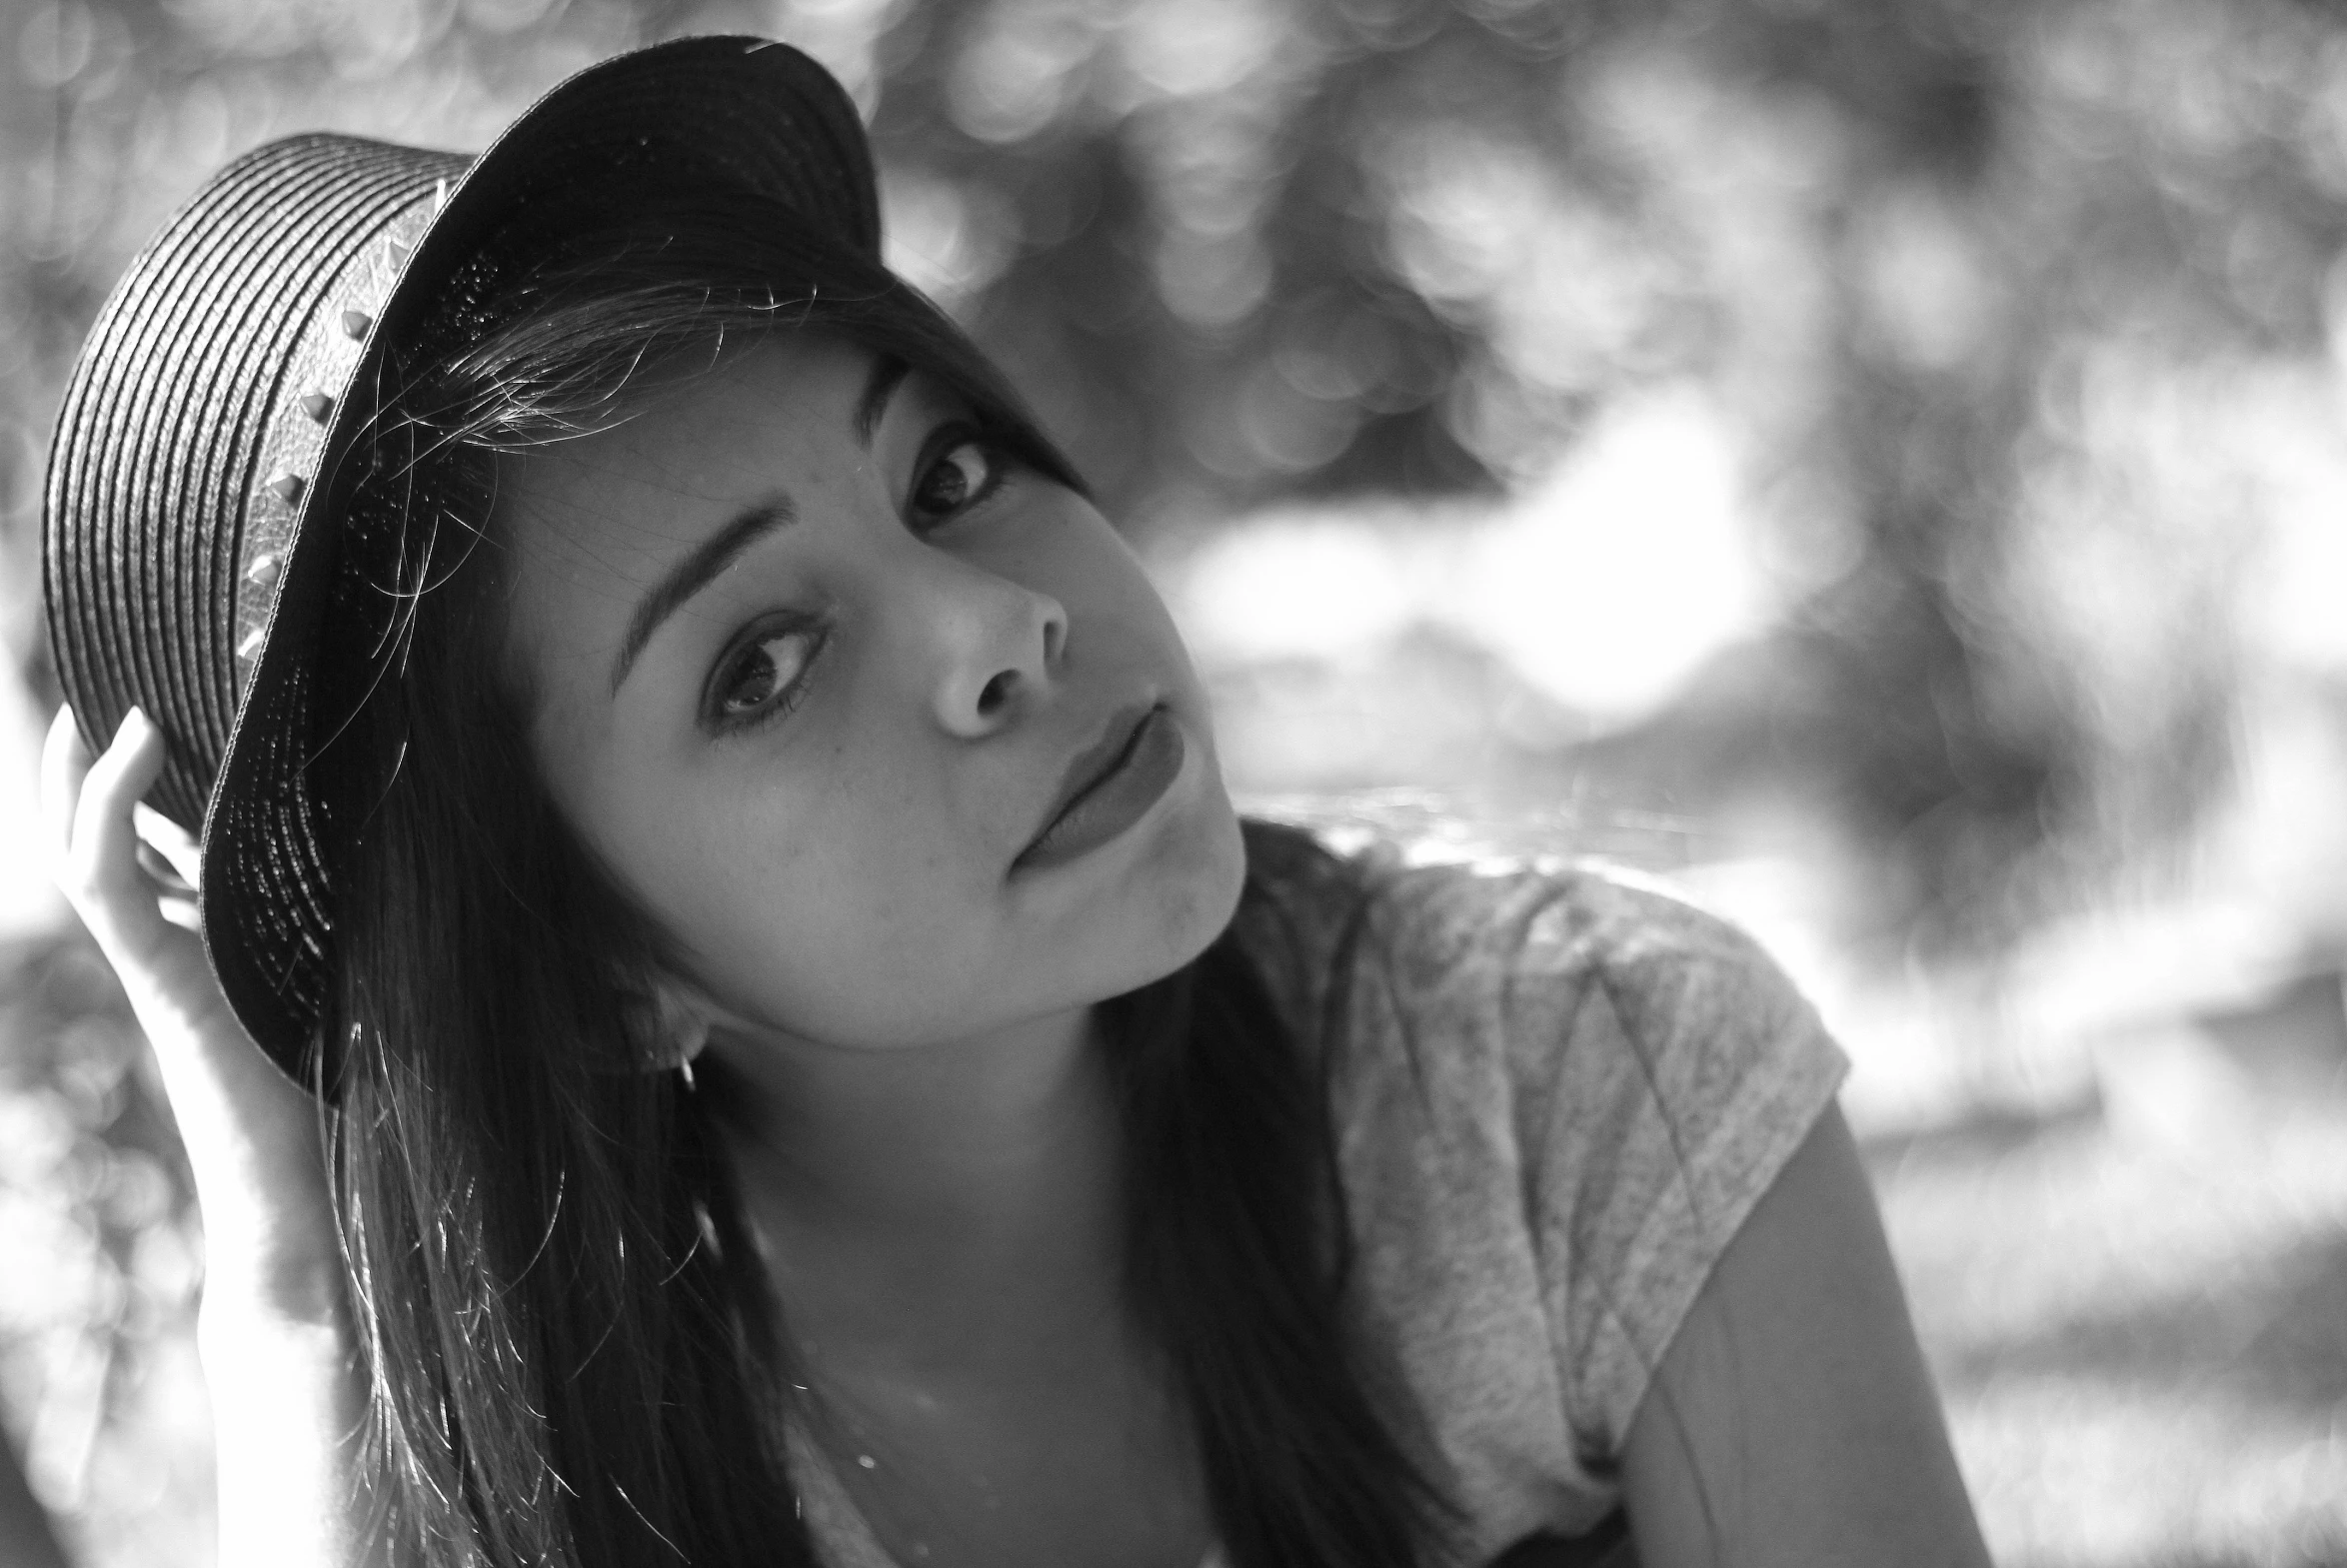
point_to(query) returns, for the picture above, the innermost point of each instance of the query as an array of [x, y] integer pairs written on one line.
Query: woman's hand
[[288, 1399], [252, 1136]]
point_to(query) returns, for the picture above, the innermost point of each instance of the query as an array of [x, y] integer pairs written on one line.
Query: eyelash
[[948, 441], [736, 665]]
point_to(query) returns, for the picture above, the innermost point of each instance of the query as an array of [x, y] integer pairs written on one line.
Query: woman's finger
[[64, 762], [170, 843], [175, 892], [101, 856]]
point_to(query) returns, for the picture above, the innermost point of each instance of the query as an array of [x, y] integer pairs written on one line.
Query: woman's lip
[[1109, 786], [1092, 763]]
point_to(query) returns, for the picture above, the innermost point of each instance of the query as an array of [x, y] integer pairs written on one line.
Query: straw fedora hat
[[197, 486]]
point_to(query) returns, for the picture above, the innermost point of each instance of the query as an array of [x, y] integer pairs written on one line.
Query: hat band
[[317, 379]]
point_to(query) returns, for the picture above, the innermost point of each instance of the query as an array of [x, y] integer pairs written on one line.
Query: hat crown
[[167, 501]]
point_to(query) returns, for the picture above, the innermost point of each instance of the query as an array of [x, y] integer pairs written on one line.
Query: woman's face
[[815, 666]]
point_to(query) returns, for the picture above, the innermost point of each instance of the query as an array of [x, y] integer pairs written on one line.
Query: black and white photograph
[[1173, 784]]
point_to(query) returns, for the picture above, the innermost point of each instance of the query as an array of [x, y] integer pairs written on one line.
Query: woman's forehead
[[786, 428], [781, 412]]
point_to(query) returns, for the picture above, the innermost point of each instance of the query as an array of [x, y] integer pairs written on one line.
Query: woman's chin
[[1174, 899], [1201, 871]]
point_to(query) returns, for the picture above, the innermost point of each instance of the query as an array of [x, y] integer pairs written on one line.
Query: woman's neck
[[940, 1180], [942, 1229]]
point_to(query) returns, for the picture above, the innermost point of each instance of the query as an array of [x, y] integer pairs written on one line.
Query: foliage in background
[[1933, 257], [2021, 315]]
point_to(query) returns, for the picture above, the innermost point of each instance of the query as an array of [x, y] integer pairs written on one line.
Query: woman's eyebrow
[[887, 374], [701, 567]]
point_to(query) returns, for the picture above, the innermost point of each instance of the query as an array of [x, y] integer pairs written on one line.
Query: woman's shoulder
[[1440, 931], [1557, 1087], [1564, 1031]]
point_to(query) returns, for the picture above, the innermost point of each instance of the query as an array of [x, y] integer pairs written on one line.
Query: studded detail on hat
[[286, 487], [317, 405], [263, 566], [356, 323], [251, 644]]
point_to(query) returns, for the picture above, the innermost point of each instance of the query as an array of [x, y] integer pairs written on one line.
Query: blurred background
[[1881, 464]]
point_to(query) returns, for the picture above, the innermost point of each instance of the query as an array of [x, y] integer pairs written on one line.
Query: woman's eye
[[764, 673], [959, 476]]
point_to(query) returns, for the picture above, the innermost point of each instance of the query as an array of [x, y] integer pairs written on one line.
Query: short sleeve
[[1557, 1093], [1687, 1074]]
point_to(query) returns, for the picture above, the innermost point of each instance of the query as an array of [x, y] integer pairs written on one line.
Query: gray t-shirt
[[1557, 1093]]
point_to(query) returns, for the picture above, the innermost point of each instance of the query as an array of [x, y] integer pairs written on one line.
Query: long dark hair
[[573, 1352]]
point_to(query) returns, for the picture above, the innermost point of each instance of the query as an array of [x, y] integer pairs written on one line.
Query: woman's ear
[[685, 1016], [671, 1020]]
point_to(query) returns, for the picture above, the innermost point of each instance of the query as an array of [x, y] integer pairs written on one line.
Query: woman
[[797, 1061]]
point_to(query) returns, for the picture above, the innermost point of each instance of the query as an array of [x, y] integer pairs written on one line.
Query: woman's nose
[[1000, 645]]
